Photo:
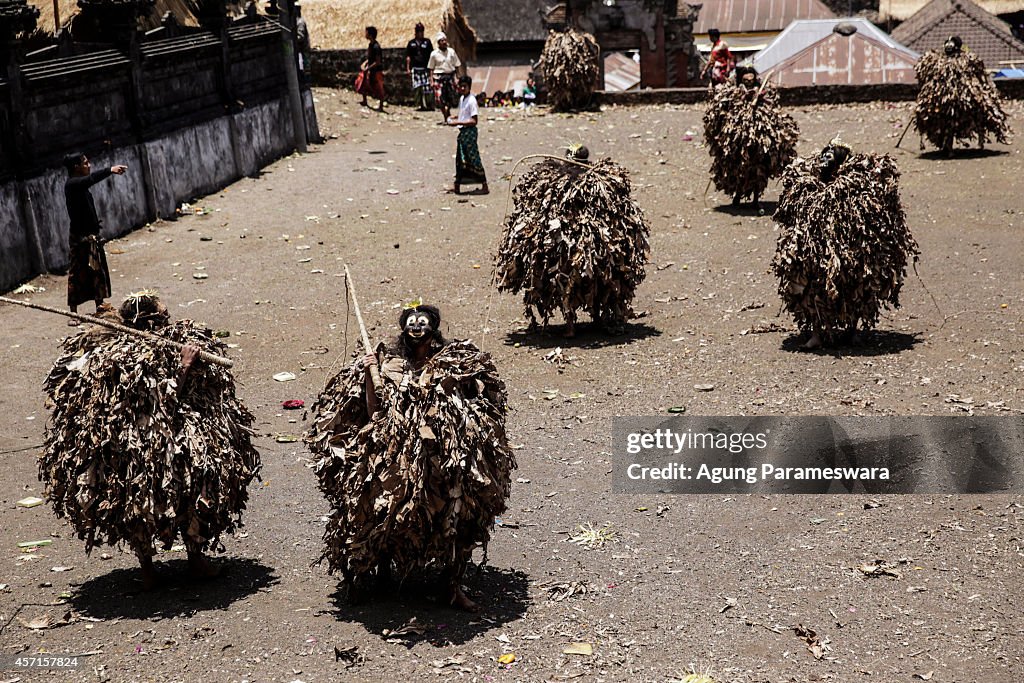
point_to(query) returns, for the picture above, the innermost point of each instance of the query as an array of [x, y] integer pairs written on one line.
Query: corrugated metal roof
[[492, 79], [802, 34], [837, 59], [985, 34], [737, 43], [621, 72], [745, 16]]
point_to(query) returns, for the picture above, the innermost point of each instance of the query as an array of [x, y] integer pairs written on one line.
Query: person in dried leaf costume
[[569, 62], [146, 443], [576, 240], [748, 136], [844, 243], [417, 469], [957, 100]]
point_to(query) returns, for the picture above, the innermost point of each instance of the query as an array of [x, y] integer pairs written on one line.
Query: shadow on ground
[[872, 343], [588, 336], [973, 153], [746, 209], [503, 596], [119, 593]]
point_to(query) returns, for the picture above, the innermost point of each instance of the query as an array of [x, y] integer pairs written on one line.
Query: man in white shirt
[[443, 66], [469, 168]]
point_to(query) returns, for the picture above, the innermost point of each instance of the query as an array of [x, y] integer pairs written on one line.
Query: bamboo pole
[[908, 126], [209, 357], [374, 370]]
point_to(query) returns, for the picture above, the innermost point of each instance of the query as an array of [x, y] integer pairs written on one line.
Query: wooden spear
[[209, 357], [374, 370]]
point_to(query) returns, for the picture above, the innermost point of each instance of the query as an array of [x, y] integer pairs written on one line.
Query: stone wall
[[189, 117], [339, 68]]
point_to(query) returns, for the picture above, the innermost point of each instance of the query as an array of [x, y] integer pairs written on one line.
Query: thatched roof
[[507, 21], [339, 24], [904, 9], [183, 10]]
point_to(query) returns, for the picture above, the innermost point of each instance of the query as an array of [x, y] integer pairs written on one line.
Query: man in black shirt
[[88, 277], [417, 54]]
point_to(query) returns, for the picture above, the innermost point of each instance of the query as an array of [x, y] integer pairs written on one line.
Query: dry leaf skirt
[[843, 248], [570, 67], [129, 459], [575, 241], [749, 138], [422, 484], [957, 101]]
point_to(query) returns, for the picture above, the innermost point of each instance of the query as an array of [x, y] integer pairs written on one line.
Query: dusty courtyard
[[719, 583]]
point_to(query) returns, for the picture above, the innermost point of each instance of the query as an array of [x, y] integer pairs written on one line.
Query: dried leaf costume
[[575, 240], [570, 67], [749, 138], [957, 100], [844, 244], [129, 457], [422, 483]]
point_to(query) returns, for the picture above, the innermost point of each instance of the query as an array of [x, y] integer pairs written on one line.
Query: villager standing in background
[[721, 61], [417, 56], [370, 81], [469, 168], [443, 66], [88, 276]]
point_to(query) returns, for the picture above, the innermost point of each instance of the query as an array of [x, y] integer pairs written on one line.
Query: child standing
[[469, 168]]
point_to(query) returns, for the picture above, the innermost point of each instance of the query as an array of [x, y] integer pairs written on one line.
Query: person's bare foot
[[200, 567], [460, 601], [74, 322], [813, 343]]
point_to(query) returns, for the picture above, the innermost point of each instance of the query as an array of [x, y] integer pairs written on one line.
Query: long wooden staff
[[374, 371], [909, 125], [209, 357]]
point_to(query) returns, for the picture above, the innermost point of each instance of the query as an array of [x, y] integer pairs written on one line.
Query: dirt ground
[[708, 583]]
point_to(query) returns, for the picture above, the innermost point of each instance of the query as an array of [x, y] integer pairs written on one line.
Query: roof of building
[[904, 9], [845, 59], [339, 24], [800, 35], [748, 16], [983, 33], [621, 72], [492, 79], [183, 10], [507, 21]]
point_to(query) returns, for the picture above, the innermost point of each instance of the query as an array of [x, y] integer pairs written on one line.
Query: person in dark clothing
[[417, 54], [88, 277], [371, 78]]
